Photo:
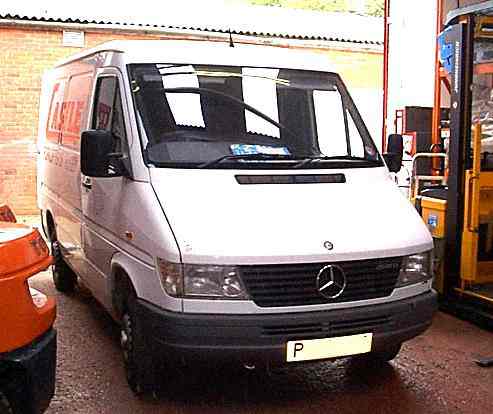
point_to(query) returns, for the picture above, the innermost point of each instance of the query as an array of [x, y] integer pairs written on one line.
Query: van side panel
[[51, 178], [74, 113], [60, 180], [124, 224]]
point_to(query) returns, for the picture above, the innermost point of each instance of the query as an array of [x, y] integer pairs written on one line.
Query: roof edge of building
[[175, 29]]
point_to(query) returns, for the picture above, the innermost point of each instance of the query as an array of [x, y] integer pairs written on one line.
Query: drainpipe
[[385, 72], [438, 80]]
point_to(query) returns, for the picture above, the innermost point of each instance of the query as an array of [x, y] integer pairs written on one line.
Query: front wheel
[[386, 355], [378, 358], [139, 368]]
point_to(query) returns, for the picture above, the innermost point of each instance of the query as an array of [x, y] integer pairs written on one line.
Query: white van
[[227, 202]]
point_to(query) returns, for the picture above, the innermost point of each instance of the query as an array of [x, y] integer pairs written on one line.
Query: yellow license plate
[[312, 349]]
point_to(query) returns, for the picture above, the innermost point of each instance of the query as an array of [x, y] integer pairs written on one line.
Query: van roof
[[207, 52]]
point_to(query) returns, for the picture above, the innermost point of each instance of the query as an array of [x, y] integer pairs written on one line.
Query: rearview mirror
[[96, 156], [395, 151], [393, 161]]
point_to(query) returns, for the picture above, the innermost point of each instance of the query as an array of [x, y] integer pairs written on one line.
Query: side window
[[75, 102], [337, 132], [55, 118], [108, 111]]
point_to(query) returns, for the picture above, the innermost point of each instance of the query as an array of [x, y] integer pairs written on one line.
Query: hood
[[216, 220]]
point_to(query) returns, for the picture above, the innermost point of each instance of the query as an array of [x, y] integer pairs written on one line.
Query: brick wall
[[26, 52]]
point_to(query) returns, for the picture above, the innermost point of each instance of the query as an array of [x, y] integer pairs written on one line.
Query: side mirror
[[96, 156], [395, 151]]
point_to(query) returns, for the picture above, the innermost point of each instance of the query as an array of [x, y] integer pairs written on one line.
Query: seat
[[439, 192]]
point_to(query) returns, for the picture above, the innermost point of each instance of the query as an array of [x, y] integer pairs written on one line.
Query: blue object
[[247, 149], [446, 51], [433, 221]]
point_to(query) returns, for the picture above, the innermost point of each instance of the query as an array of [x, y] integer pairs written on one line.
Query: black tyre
[[388, 354], [139, 368], [64, 278], [5, 407], [379, 358]]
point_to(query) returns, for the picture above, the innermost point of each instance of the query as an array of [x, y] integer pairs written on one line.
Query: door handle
[[471, 222], [87, 183]]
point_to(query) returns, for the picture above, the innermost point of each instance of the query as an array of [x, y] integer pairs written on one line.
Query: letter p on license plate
[[312, 349]]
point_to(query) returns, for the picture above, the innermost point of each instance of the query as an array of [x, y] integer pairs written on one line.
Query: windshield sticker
[[246, 149]]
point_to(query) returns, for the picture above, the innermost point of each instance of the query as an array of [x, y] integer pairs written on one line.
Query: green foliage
[[321, 5], [373, 7], [267, 2]]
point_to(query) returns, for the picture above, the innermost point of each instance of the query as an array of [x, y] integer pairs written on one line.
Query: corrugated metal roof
[[202, 16]]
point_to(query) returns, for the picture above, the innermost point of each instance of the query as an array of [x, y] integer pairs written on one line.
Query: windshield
[[197, 116]]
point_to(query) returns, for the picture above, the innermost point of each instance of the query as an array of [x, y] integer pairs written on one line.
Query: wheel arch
[[120, 283], [143, 278]]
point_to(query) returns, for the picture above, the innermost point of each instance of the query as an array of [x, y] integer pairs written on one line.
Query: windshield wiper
[[316, 160], [242, 157], [233, 100]]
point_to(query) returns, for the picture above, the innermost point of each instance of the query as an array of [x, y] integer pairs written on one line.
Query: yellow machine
[[457, 205], [477, 236], [476, 261]]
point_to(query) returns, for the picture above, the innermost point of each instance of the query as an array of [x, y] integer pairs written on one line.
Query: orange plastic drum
[[23, 253]]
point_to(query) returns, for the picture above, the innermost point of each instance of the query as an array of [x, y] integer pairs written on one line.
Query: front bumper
[[263, 338], [28, 374]]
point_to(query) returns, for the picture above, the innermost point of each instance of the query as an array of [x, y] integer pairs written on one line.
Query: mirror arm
[[120, 166]]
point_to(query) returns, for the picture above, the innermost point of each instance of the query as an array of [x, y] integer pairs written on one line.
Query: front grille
[[296, 284], [328, 329]]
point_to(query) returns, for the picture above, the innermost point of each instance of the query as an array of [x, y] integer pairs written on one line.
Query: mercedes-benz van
[[227, 203]]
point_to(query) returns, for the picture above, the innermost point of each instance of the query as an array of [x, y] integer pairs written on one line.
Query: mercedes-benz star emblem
[[331, 281], [328, 245]]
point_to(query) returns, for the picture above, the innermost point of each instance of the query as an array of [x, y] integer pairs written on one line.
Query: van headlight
[[201, 281], [415, 269]]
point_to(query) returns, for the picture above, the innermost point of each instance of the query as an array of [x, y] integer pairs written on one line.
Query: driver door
[[101, 197]]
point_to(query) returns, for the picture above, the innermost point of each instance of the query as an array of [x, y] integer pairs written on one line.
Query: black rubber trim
[[460, 154], [292, 179], [242, 337], [34, 371]]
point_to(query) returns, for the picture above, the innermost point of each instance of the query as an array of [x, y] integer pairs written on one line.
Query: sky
[[110, 6], [147, 10]]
